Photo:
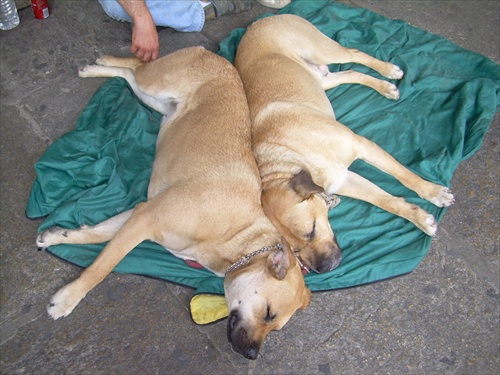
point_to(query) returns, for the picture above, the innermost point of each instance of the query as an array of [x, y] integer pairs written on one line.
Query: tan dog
[[301, 150], [203, 197]]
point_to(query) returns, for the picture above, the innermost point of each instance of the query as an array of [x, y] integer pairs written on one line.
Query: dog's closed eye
[[269, 317], [310, 236]]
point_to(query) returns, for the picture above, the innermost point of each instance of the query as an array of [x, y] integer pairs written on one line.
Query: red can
[[40, 8]]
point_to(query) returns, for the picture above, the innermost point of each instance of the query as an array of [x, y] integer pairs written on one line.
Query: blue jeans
[[181, 15]]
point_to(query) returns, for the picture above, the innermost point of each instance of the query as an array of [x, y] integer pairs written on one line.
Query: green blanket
[[448, 98]]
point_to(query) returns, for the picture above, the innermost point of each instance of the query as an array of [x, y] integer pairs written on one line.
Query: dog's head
[[301, 215], [262, 296]]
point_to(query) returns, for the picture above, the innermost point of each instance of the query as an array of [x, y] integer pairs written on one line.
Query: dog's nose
[[331, 260], [238, 337], [328, 265], [252, 353]]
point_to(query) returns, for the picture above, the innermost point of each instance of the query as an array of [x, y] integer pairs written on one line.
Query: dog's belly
[[181, 255]]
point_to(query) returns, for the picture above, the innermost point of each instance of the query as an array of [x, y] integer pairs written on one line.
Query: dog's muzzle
[[238, 337], [328, 259]]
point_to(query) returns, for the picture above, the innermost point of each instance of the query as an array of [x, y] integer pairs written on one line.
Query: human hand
[[145, 42]]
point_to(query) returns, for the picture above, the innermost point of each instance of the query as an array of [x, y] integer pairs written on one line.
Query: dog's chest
[[332, 178]]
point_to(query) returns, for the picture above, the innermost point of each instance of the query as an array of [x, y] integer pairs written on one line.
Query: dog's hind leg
[[121, 62], [387, 89], [132, 233], [317, 48], [163, 105], [325, 51], [343, 55], [358, 187], [99, 233], [318, 59]]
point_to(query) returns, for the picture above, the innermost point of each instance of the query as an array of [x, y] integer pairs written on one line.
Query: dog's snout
[[238, 337], [329, 264], [330, 260]]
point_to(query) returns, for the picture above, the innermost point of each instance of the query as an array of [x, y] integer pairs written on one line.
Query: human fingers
[[154, 54]]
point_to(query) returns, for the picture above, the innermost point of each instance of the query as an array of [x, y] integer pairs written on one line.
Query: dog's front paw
[[443, 197], [64, 301], [88, 71], [422, 219], [52, 236], [395, 72], [429, 226], [390, 91], [104, 60]]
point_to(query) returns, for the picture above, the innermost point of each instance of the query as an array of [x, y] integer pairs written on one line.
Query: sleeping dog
[[300, 148], [203, 198]]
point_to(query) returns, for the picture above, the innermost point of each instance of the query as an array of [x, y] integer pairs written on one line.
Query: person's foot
[[217, 8], [276, 4], [230, 6], [209, 12]]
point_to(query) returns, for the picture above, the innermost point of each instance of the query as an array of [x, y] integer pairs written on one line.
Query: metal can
[[40, 8]]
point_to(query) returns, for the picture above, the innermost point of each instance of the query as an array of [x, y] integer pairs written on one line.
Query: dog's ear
[[278, 263], [303, 184]]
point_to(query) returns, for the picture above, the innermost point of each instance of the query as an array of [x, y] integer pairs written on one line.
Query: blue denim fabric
[[181, 15]]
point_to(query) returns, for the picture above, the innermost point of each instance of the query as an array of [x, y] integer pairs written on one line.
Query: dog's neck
[[244, 260], [256, 235]]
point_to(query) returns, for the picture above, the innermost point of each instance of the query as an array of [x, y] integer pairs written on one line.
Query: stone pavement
[[443, 318]]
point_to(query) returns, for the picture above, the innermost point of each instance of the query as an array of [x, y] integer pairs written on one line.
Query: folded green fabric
[[448, 98]]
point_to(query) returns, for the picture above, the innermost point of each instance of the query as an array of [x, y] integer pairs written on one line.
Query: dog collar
[[303, 268], [331, 200], [244, 260]]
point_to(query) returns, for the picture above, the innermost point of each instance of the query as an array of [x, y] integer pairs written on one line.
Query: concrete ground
[[443, 318]]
